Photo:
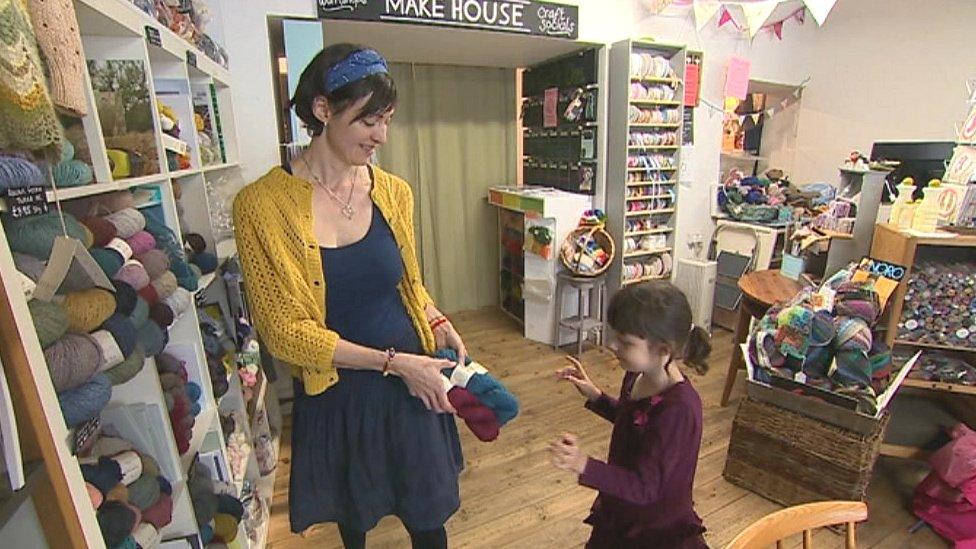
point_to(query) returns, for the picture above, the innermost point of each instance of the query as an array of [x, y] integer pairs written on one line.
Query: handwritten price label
[[27, 201]]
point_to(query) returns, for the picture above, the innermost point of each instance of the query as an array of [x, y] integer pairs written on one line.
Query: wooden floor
[[512, 497]]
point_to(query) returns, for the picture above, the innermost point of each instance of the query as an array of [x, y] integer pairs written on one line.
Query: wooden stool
[[586, 320], [760, 290]]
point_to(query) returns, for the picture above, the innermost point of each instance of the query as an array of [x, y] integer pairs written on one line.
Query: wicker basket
[[791, 458], [572, 253]]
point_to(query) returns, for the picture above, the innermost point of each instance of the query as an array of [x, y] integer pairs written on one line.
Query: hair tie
[[355, 66]]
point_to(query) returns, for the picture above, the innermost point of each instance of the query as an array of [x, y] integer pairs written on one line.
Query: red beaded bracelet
[[438, 322]]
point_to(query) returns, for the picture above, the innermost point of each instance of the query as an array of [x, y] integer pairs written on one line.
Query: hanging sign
[[519, 16]]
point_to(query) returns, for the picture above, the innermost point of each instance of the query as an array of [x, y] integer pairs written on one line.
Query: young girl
[[645, 486]]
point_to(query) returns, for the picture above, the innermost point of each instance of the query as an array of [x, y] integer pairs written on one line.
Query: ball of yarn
[[180, 301], [104, 474], [195, 242], [128, 369], [162, 315], [169, 364], [50, 320], [102, 231], [140, 313], [197, 271], [130, 463], [94, 495], [152, 338], [149, 294], [127, 222], [137, 511], [123, 331], [35, 235], [165, 284], [125, 298], [88, 309], [84, 402], [156, 262], [133, 274], [120, 493], [169, 381], [184, 274], [72, 361], [144, 492], [149, 465], [29, 265], [116, 521], [206, 261], [195, 409], [160, 514], [206, 534], [110, 261], [225, 528], [141, 242], [111, 202], [72, 173], [230, 505], [17, 172], [854, 334], [193, 391], [164, 486]]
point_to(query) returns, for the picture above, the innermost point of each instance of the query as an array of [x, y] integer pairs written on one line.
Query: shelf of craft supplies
[[656, 102], [656, 80], [642, 253], [660, 230], [72, 193], [647, 197], [652, 147], [123, 19], [629, 281], [655, 125], [649, 183], [650, 212], [667, 169]]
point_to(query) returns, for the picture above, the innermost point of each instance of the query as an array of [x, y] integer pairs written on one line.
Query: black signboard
[[688, 126], [519, 16], [26, 201], [191, 58], [152, 36]]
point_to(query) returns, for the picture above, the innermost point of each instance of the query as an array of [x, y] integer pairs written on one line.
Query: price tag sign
[[152, 36], [27, 201], [191, 58]]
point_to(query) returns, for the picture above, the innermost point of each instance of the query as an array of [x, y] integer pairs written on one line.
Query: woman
[[331, 273]]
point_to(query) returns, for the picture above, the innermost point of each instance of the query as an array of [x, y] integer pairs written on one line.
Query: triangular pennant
[[784, 103], [819, 9], [725, 17], [971, 88], [757, 13], [800, 15], [755, 118], [704, 11], [778, 30], [770, 113]]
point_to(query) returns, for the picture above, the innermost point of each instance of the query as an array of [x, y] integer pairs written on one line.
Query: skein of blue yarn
[[206, 261], [206, 534], [17, 172], [153, 338], [73, 173], [84, 402], [104, 475], [116, 521], [140, 313], [489, 390], [125, 298], [35, 235], [185, 276], [122, 331], [193, 391], [109, 260]]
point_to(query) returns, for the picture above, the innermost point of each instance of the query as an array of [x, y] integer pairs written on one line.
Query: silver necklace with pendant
[[347, 210]]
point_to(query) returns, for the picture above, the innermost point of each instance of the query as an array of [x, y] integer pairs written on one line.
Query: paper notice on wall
[[550, 104], [692, 74], [737, 79]]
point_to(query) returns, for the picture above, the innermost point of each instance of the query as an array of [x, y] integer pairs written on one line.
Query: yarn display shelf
[[650, 212], [656, 80], [651, 147], [72, 193], [185, 173], [10, 500], [646, 183], [663, 102], [666, 169], [217, 167], [939, 386], [661, 230], [202, 425], [647, 197], [939, 346], [629, 281], [642, 253], [128, 21], [655, 125]]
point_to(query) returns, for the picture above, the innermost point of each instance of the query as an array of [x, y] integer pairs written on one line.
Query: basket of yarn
[[589, 249]]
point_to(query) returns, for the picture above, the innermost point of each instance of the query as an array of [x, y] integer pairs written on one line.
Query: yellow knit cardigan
[[283, 273]]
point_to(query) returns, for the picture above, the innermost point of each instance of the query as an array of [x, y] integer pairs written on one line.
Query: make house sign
[[522, 16]]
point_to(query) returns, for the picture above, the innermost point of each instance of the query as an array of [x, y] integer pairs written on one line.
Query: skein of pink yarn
[[141, 242], [133, 274]]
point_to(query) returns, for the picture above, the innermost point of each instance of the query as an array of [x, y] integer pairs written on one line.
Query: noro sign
[[521, 16]]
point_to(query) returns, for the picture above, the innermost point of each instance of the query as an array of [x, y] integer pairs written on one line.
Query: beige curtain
[[452, 138]]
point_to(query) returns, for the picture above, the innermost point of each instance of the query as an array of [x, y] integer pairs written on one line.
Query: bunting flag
[[704, 11], [657, 6], [778, 29], [819, 9], [757, 13], [725, 18]]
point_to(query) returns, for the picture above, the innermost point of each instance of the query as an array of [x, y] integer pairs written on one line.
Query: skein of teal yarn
[[73, 173], [35, 235]]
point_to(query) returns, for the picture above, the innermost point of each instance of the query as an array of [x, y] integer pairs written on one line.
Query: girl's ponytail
[[697, 349]]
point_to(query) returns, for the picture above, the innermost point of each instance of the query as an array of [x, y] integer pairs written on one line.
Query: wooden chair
[[775, 527]]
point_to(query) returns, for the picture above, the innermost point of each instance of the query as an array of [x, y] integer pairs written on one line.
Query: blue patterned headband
[[355, 66]]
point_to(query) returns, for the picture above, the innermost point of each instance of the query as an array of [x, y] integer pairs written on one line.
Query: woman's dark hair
[[312, 85], [659, 312]]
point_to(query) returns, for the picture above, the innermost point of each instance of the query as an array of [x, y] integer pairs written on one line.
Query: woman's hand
[[565, 454], [576, 375], [446, 337], [424, 379]]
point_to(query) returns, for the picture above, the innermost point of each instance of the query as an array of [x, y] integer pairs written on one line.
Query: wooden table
[[760, 290]]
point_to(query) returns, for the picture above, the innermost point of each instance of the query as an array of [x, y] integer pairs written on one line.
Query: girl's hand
[[565, 454], [576, 375], [424, 379], [446, 337]]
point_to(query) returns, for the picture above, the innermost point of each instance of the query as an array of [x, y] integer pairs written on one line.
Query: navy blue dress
[[365, 448]]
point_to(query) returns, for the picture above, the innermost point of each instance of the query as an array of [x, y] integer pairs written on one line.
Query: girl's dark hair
[[312, 85], [659, 312]]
